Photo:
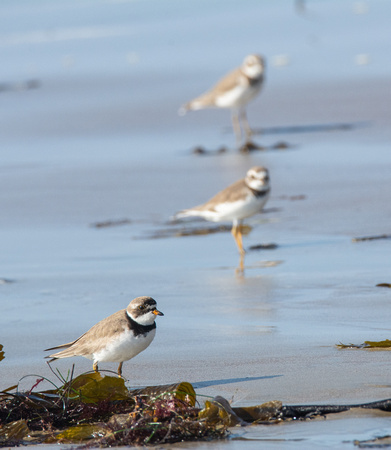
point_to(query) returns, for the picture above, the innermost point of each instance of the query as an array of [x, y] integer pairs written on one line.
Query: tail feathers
[[206, 100], [62, 354], [183, 110], [197, 212], [188, 107], [187, 213], [50, 360], [60, 346]]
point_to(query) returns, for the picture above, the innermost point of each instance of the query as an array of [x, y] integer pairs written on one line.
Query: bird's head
[[257, 178], [253, 66], [143, 310]]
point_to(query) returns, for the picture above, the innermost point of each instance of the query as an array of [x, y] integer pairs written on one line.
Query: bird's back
[[96, 337], [227, 204]]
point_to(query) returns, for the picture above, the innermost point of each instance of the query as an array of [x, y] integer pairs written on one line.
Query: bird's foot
[[240, 269]]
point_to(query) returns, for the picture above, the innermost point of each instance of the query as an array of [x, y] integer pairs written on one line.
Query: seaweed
[[111, 223], [101, 411], [251, 146], [270, 246], [92, 410], [378, 442], [371, 238], [309, 411], [247, 147], [386, 344]]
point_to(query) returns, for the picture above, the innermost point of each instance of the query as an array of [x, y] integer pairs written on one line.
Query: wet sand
[[86, 146]]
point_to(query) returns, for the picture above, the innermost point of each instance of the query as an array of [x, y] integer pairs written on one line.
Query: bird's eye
[[141, 307]]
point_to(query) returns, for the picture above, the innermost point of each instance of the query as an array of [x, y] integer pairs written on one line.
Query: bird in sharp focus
[[117, 338]]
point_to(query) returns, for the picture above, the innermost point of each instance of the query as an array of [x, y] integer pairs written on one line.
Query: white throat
[[145, 319], [257, 185], [253, 71]]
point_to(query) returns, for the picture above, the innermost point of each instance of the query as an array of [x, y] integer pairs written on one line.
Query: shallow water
[[99, 139]]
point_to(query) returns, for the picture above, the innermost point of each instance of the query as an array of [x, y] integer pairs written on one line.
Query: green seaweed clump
[[368, 345], [158, 421], [98, 410]]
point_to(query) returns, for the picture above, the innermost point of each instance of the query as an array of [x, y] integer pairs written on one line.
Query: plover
[[233, 92], [117, 338], [235, 203]]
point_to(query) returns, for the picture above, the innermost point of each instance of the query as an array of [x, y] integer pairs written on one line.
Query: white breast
[[125, 347], [240, 209], [237, 97]]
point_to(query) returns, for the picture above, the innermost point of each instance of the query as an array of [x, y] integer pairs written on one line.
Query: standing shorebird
[[233, 92], [117, 338], [240, 200]]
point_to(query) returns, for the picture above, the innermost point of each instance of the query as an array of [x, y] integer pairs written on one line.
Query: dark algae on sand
[[94, 410]]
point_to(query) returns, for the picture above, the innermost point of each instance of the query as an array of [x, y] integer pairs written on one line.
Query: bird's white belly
[[125, 347], [237, 97], [240, 209]]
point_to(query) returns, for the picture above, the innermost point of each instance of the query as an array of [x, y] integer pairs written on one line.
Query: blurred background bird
[[240, 200], [234, 92]]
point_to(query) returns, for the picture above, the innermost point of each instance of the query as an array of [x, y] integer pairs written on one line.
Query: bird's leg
[[95, 367], [119, 371], [236, 126], [237, 234], [240, 269], [240, 240], [246, 126]]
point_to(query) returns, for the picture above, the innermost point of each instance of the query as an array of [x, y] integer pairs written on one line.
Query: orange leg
[[95, 367], [241, 264], [120, 370], [237, 234]]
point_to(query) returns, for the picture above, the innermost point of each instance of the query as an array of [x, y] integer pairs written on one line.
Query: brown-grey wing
[[105, 327], [63, 345], [229, 81], [208, 98], [231, 193], [108, 327]]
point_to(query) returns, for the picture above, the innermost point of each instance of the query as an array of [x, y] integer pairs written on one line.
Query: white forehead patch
[[257, 173]]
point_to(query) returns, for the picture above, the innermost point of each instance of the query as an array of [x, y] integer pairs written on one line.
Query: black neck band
[[137, 328], [259, 194]]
